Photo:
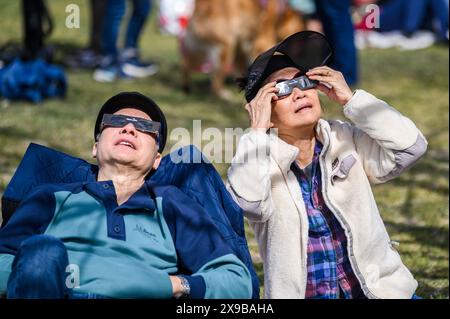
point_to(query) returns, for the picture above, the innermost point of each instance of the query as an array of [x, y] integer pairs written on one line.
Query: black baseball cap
[[304, 50], [137, 101]]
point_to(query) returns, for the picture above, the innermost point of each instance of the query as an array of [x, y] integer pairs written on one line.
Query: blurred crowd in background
[[349, 25]]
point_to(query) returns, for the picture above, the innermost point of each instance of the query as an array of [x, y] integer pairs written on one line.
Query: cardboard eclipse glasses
[[301, 82], [142, 125]]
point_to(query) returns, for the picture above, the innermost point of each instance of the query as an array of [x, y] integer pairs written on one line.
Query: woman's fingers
[[323, 88], [260, 108], [339, 92], [263, 89], [319, 78], [268, 89], [323, 70], [269, 96], [268, 85], [324, 74]]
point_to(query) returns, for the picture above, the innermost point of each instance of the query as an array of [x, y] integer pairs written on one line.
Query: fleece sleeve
[[388, 142], [249, 176]]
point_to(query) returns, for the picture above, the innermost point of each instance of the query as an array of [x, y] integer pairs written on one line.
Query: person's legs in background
[[415, 12], [90, 57], [131, 63], [434, 13], [393, 15], [415, 20], [109, 68], [440, 12], [409, 16], [141, 11], [39, 270], [115, 10], [338, 27], [98, 8]]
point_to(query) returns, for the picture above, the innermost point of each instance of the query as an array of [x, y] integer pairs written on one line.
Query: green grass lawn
[[415, 206]]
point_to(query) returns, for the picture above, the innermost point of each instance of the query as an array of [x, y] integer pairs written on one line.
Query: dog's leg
[[185, 67], [221, 69], [185, 76], [243, 58]]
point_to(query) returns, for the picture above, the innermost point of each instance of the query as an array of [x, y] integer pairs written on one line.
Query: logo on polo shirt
[[144, 232]]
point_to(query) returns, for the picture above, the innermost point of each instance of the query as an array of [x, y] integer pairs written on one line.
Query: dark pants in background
[[338, 27], [410, 16], [97, 14], [115, 10]]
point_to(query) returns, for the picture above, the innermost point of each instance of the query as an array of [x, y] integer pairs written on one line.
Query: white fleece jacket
[[377, 146]]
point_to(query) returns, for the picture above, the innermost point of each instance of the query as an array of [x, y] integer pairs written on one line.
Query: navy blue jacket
[[198, 180]]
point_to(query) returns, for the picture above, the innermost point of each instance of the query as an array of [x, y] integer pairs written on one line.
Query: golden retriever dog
[[226, 36]]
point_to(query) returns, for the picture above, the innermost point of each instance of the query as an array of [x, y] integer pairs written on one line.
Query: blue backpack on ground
[[32, 80], [185, 168]]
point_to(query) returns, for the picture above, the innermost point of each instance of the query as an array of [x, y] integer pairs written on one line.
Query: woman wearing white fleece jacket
[[376, 145]]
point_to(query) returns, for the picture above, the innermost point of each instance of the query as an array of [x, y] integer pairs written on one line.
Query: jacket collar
[[141, 200], [285, 154]]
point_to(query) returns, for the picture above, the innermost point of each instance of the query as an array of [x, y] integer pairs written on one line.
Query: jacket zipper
[[343, 222]]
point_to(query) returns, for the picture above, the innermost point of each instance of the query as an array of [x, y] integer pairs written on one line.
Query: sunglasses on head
[[301, 82], [142, 125]]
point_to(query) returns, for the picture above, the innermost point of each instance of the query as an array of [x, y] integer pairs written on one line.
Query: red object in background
[[363, 26], [183, 21]]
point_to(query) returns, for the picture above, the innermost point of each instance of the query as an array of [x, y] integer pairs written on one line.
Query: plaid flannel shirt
[[330, 275]]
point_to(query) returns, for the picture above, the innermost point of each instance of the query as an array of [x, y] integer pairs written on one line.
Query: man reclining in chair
[[121, 236]]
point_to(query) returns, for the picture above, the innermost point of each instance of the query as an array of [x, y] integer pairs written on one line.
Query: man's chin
[[126, 161], [122, 160]]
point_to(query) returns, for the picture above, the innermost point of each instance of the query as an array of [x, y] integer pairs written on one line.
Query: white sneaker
[[384, 40], [419, 40], [361, 41], [105, 75], [133, 66], [139, 70]]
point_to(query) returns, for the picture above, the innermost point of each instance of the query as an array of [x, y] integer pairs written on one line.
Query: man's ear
[[94, 150], [157, 161]]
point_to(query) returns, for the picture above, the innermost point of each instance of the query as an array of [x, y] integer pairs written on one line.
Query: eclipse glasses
[[302, 82], [142, 125]]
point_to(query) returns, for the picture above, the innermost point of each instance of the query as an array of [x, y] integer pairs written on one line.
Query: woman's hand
[[260, 108], [333, 84]]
